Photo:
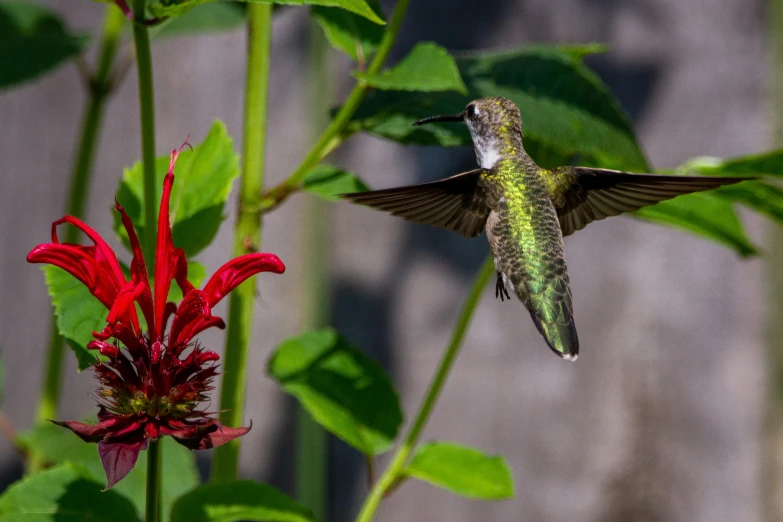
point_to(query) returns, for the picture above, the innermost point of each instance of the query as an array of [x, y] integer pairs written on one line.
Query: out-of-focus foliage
[[33, 40], [59, 446], [352, 34], [328, 182], [238, 500], [344, 390]]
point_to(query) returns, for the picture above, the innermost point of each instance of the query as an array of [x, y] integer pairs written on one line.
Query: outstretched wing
[[583, 194], [456, 203]]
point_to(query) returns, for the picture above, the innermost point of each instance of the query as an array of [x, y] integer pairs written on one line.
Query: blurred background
[[660, 419]]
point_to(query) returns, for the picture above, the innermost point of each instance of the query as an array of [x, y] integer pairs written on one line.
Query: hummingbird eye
[[471, 110]]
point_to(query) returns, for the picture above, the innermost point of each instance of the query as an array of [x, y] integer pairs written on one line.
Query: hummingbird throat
[[487, 151]]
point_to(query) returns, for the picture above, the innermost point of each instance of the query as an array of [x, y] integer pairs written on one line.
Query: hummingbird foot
[[500, 289]]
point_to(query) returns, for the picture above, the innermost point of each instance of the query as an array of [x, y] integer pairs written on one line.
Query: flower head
[[152, 384]]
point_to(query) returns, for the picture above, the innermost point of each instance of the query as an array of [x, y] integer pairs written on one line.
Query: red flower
[[155, 385]]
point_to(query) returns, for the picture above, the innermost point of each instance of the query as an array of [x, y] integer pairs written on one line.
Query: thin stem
[[77, 193], [312, 441], [772, 427], [247, 235], [153, 482], [141, 39], [393, 472], [327, 140]]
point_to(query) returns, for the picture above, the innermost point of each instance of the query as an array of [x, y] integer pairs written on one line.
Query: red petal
[[193, 308], [222, 435], [118, 458], [233, 273], [138, 268]]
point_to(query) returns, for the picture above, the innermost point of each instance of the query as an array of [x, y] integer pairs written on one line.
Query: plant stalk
[[153, 481], [81, 171], [247, 235], [772, 438], [327, 140], [312, 441], [141, 39], [394, 470]]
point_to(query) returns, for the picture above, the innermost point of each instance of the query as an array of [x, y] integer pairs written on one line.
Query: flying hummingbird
[[527, 210]]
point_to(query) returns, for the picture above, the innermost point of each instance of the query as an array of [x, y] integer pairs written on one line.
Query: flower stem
[[247, 235], [326, 143], [395, 468], [79, 188], [153, 481], [141, 39]]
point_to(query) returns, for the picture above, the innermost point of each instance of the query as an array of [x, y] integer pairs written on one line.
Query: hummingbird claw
[[500, 289]]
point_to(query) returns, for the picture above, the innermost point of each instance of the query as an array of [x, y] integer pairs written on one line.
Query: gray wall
[[659, 419]]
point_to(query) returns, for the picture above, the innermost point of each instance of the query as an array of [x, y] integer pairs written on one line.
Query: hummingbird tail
[[560, 336]]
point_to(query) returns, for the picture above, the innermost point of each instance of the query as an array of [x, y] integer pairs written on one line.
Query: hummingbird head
[[495, 125]]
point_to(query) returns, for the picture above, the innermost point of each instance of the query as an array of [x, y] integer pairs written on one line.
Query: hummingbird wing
[[456, 203], [582, 194]]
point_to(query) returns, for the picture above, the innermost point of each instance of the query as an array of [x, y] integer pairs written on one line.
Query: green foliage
[[428, 68], [344, 391], [707, 215], [211, 17], [79, 314], [354, 35], [59, 445], [202, 184], [238, 500], [566, 110], [168, 8], [63, 493], [464, 471], [33, 40], [328, 182]]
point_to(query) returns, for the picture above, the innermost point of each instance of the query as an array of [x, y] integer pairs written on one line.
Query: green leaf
[[707, 215], [428, 68], [238, 500], [202, 183], [78, 313], [178, 7], [206, 18], [59, 445], [464, 471], [354, 35], [764, 198], [63, 493], [33, 40], [328, 182], [344, 390], [566, 111]]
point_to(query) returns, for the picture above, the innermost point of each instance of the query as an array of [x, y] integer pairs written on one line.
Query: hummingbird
[[527, 210]]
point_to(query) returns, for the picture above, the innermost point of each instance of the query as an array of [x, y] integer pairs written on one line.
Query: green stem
[[395, 468], [247, 235], [79, 188], [772, 427], [153, 481], [343, 116], [312, 442], [141, 39]]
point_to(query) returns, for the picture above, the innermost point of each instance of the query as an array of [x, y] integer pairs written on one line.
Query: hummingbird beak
[[432, 119]]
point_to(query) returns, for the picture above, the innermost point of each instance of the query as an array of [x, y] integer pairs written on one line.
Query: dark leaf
[[354, 35], [166, 8]]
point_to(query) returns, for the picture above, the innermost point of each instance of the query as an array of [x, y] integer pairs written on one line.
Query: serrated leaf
[[462, 470], [344, 390], [212, 17], [705, 214], [58, 445], [566, 110], [78, 312], [63, 493], [203, 178], [354, 35], [427, 68], [33, 40], [238, 500], [328, 182], [169, 8]]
